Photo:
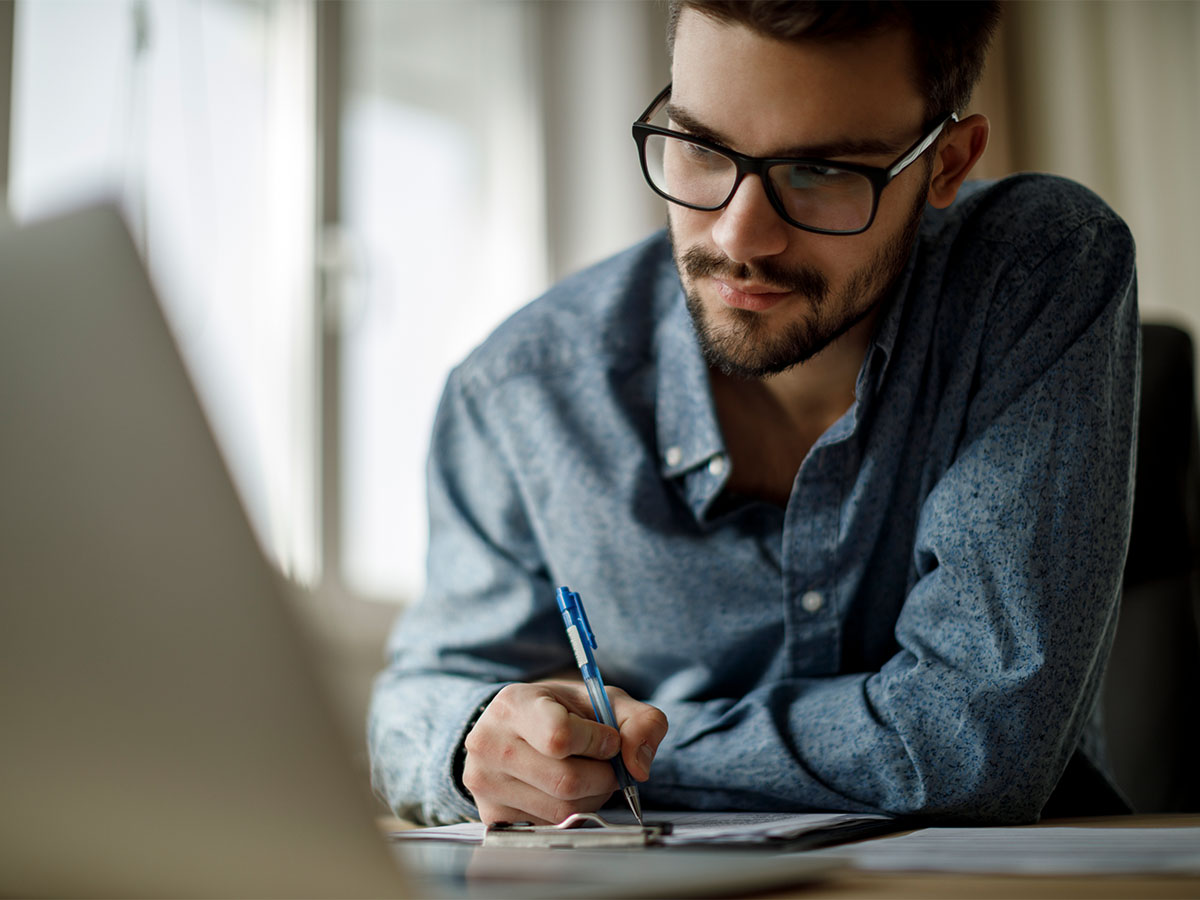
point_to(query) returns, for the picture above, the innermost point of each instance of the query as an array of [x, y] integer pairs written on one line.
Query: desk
[[852, 885]]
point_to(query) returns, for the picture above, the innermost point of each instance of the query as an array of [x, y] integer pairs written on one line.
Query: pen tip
[[635, 803]]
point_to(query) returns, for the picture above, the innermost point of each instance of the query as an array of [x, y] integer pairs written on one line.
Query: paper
[[1033, 851], [696, 827], [745, 827]]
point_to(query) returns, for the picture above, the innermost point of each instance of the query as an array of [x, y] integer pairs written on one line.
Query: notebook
[[162, 729]]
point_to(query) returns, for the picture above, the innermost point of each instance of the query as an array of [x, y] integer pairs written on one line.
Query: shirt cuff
[[452, 801]]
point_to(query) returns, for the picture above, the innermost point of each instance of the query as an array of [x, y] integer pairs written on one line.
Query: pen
[[579, 633]]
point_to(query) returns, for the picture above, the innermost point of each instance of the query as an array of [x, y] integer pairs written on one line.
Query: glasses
[[813, 194]]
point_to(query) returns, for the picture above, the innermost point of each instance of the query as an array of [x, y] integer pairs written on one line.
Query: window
[[465, 130], [442, 194], [197, 117]]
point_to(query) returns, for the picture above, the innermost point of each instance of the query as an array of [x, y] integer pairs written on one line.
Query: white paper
[[1032, 851], [742, 827], [691, 827], [463, 832]]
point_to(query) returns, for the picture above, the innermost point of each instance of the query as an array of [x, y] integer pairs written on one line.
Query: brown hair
[[950, 40]]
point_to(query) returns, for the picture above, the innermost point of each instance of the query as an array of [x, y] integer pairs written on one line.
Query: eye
[[809, 177], [694, 153]]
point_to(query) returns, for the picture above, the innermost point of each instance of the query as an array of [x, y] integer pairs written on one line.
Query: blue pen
[[579, 632]]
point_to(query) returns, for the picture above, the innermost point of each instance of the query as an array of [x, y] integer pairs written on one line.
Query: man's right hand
[[536, 754]]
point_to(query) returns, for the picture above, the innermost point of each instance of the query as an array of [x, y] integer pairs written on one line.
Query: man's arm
[[476, 628], [1003, 638], [451, 711]]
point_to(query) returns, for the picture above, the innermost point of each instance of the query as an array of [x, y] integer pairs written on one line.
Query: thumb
[[643, 728]]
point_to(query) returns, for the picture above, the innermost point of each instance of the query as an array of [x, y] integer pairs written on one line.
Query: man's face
[[763, 295]]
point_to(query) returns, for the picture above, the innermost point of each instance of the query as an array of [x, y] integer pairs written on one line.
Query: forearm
[[915, 739], [415, 724]]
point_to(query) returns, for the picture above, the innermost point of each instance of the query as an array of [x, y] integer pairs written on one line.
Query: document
[[749, 827], [705, 827], [1033, 851]]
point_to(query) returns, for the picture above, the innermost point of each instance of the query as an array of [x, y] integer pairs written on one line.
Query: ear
[[958, 151]]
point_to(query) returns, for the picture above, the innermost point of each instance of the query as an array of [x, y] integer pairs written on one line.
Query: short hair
[[950, 40]]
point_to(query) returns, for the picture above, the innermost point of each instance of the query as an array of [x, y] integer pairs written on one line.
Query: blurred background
[[338, 200]]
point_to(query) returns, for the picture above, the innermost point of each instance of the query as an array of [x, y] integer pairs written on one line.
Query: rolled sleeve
[[482, 622]]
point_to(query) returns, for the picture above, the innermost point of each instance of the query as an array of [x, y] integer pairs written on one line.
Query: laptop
[[162, 729], [163, 732]]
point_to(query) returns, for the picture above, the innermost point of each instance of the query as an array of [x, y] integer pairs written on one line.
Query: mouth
[[749, 296]]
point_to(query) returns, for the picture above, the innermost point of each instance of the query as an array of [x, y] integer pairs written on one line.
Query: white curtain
[[1109, 94]]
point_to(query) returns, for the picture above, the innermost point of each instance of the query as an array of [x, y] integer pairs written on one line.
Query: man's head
[[852, 84], [949, 42]]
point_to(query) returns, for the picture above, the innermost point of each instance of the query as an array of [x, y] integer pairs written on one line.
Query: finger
[[574, 778], [555, 731], [571, 694], [499, 759], [515, 801], [541, 714], [643, 728]]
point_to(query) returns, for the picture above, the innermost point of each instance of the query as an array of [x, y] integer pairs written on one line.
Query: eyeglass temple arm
[[901, 164]]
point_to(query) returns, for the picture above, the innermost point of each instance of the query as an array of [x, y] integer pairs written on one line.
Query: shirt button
[[674, 456], [716, 466], [812, 601]]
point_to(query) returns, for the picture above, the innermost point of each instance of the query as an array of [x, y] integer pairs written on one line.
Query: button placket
[[809, 552]]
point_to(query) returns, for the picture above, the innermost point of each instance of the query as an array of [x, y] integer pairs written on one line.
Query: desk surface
[[852, 885], [929, 886]]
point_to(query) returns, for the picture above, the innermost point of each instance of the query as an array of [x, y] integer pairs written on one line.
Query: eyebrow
[[827, 150]]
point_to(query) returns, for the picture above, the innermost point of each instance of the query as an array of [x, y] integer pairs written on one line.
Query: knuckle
[[558, 741], [567, 786], [474, 779], [475, 741], [657, 720], [505, 699]]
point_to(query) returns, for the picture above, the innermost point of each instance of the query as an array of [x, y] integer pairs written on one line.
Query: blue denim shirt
[[921, 631]]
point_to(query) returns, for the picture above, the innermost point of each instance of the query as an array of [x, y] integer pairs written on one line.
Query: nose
[[749, 227]]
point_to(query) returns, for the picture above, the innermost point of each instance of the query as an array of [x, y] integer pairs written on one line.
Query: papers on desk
[[751, 828], [1033, 851], [706, 828]]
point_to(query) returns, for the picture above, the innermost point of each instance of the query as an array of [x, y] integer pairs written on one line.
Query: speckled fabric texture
[[922, 630]]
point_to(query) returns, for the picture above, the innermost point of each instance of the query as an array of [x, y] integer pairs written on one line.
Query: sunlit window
[[442, 197], [197, 117]]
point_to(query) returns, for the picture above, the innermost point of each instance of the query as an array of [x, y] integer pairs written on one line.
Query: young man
[[843, 471]]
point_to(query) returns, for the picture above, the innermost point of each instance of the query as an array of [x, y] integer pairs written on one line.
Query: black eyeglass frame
[[757, 165]]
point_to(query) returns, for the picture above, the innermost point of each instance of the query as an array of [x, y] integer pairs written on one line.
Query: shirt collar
[[689, 434], [889, 325], [884, 342], [686, 419]]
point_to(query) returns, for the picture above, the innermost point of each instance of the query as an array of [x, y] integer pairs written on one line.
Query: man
[[843, 472]]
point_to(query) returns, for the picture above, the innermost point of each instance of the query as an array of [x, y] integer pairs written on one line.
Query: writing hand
[[537, 754]]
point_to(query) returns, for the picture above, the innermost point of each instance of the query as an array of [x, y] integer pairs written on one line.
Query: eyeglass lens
[[821, 197]]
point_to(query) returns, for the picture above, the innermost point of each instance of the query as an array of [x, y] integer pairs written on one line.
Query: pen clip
[[571, 605], [587, 626]]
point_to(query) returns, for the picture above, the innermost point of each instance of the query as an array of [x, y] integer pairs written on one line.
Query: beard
[[746, 345]]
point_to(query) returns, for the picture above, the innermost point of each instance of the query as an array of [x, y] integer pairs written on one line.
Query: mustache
[[698, 263]]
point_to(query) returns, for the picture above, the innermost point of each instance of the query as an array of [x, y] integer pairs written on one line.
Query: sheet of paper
[[692, 827], [1032, 851], [742, 827], [463, 833]]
